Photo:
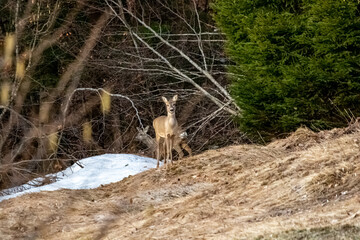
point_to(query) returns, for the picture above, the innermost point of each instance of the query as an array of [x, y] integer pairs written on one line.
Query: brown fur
[[166, 127], [179, 143]]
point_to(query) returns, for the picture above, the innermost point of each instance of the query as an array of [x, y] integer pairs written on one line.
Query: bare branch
[[176, 70]]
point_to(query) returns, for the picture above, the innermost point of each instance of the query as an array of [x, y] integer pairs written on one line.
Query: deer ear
[[164, 99], [175, 98], [137, 128], [146, 129]]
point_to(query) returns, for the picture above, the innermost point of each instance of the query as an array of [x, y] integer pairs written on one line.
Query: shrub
[[299, 61]]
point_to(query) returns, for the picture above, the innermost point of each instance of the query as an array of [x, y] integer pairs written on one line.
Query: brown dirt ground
[[306, 181]]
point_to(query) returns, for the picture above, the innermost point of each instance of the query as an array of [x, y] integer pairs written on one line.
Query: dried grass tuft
[[301, 139], [304, 138], [333, 182], [87, 132], [105, 102], [5, 93]]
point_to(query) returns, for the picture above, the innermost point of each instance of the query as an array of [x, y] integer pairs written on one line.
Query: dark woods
[[78, 78]]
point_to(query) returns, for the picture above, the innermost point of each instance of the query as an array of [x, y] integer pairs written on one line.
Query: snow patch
[[95, 171]]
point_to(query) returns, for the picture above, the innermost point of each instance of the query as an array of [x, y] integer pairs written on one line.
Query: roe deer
[[179, 142], [166, 127]]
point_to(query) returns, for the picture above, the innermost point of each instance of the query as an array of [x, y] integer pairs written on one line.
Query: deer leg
[[167, 139], [157, 157], [187, 148], [164, 151], [178, 150], [171, 147], [157, 151]]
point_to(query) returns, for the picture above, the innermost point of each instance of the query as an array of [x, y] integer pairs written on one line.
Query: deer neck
[[171, 120], [171, 125]]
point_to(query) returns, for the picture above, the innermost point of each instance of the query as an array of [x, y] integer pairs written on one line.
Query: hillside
[[303, 187]]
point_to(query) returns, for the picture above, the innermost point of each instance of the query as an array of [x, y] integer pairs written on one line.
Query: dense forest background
[[79, 77]]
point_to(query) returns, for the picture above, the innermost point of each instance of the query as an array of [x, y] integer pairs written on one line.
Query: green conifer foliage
[[299, 61]]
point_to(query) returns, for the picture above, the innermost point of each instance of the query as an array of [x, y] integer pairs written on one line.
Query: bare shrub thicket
[[78, 77]]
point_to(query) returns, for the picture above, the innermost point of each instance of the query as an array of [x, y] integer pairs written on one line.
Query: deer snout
[[171, 110]]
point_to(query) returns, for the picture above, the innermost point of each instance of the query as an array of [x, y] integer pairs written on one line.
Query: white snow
[[97, 170]]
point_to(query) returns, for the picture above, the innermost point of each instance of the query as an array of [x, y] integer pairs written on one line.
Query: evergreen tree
[[299, 61]]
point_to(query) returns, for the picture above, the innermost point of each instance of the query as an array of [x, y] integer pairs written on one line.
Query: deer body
[[166, 127], [145, 138], [179, 143]]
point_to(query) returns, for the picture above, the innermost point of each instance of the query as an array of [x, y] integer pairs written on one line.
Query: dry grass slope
[[303, 187]]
